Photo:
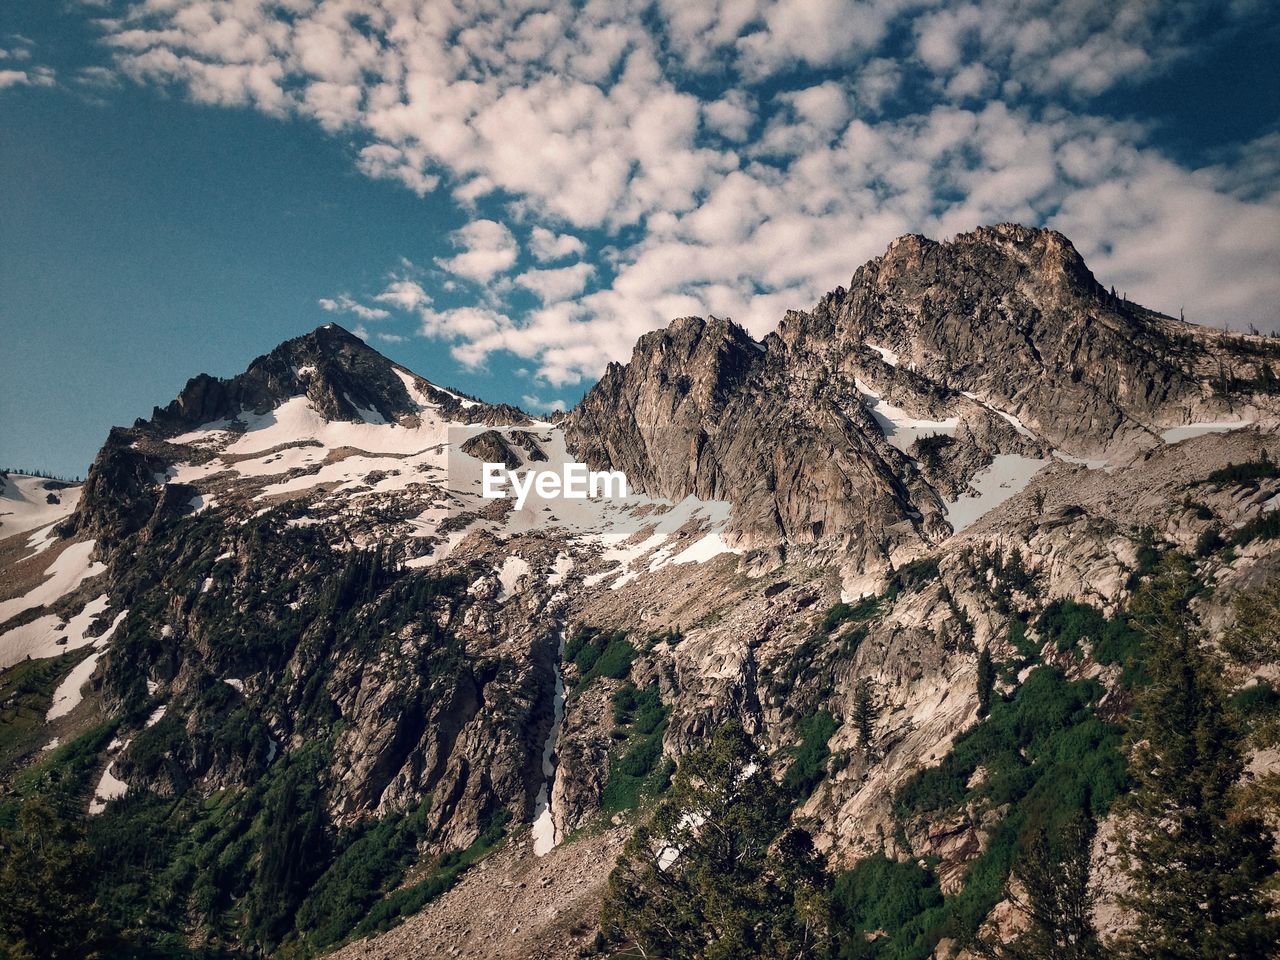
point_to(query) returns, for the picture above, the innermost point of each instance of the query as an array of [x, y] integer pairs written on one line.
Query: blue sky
[[502, 196]]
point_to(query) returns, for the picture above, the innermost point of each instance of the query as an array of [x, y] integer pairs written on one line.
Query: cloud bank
[[626, 163]]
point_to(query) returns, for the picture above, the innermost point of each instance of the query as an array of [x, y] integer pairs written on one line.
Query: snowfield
[[24, 504]]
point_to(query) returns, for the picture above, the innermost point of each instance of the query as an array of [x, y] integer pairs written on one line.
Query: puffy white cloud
[[534, 402], [488, 248], [29, 77], [711, 195], [343, 303], [404, 295], [547, 245], [558, 283], [732, 116]]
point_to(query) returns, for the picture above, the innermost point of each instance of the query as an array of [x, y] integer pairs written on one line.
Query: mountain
[[1000, 341], [300, 682]]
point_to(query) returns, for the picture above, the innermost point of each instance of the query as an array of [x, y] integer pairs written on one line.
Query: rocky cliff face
[[1015, 316], [702, 410], [282, 607], [1003, 330]]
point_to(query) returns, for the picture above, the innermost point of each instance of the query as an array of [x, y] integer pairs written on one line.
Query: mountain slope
[[279, 615]]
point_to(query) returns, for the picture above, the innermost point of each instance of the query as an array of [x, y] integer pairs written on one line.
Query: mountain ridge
[[280, 615]]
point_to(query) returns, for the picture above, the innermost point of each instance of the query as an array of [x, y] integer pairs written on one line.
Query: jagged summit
[[342, 376], [1000, 341]]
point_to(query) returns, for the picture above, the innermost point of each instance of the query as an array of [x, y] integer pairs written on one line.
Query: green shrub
[[636, 769], [1067, 623], [409, 900], [811, 755], [1265, 526], [26, 692], [1047, 756], [841, 613], [880, 896], [1259, 699], [598, 653], [914, 575], [1027, 648]]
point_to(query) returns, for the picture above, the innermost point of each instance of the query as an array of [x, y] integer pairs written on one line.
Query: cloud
[[557, 284], [404, 295], [343, 303], [547, 245], [736, 157], [30, 77], [488, 248], [533, 402]]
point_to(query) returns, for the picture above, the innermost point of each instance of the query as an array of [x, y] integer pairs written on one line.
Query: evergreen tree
[[1056, 899], [47, 903], [1197, 861], [986, 681], [1254, 636], [717, 873], [865, 713]]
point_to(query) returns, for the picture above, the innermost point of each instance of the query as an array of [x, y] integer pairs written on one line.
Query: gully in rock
[[544, 827]]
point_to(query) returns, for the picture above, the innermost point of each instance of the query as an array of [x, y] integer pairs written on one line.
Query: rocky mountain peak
[[702, 359], [343, 377], [1037, 258]]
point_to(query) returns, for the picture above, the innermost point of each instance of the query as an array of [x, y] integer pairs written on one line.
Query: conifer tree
[[986, 681], [717, 873], [1055, 898], [47, 904], [865, 713], [1198, 863]]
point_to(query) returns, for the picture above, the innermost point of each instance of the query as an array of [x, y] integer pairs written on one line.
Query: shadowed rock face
[[704, 410], [335, 369]]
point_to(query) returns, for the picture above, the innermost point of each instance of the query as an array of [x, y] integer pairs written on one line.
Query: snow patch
[[1017, 424], [513, 568], [1007, 476], [68, 571], [1187, 431], [109, 788], [899, 427], [888, 355], [544, 827], [24, 504], [48, 636], [560, 569], [67, 696]]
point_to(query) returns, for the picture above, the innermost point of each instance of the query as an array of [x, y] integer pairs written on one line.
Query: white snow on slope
[[109, 786], [24, 506], [1007, 476], [67, 696], [47, 636], [544, 826], [711, 545], [1017, 424], [513, 568], [899, 427], [889, 356], [1187, 431], [561, 569], [68, 571]]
